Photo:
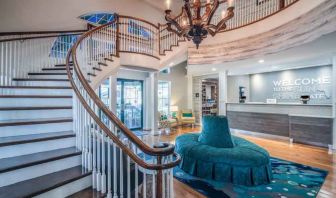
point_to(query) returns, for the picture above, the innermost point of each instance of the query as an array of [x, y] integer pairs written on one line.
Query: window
[[164, 97], [98, 18], [62, 45], [136, 29]]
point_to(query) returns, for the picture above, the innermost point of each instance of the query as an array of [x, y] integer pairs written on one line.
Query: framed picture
[[260, 2]]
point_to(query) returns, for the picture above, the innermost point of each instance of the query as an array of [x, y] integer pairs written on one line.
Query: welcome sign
[[289, 86]]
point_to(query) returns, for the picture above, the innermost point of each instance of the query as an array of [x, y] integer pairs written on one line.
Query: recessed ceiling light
[[213, 69], [261, 61]]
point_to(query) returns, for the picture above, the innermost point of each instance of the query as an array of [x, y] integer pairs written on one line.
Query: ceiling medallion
[[197, 20]]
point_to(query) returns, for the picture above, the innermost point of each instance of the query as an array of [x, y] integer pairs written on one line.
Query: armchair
[[186, 116]]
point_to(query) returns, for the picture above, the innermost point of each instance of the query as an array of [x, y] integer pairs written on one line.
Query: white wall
[[234, 82], [179, 85], [43, 15], [132, 74]]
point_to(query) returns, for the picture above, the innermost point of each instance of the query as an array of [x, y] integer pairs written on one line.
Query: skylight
[[98, 18]]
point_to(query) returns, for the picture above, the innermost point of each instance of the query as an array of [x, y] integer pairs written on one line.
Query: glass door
[[129, 102]]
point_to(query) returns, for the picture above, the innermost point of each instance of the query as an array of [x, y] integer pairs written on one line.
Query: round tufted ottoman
[[244, 164]]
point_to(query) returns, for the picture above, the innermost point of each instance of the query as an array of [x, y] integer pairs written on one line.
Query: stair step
[[31, 90], [63, 65], [42, 184], [103, 64], [34, 101], [24, 139], [39, 112], [13, 163], [47, 73], [33, 96], [39, 79], [5, 123], [35, 87], [97, 69], [56, 69], [108, 59], [33, 108], [42, 81]]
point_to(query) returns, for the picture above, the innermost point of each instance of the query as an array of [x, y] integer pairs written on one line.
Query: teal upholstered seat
[[244, 164]]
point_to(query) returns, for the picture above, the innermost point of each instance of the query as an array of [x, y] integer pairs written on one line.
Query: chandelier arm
[[210, 31], [213, 10], [198, 9], [188, 11]]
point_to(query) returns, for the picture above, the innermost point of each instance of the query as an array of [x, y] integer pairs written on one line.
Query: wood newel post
[[118, 36], [159, 179], [281, 4]]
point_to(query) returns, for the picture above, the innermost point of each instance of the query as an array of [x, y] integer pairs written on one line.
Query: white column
[[222, 99], [113, 93], [151, 103], [190, 91], [154, 79], [147, 104], [334, 100]]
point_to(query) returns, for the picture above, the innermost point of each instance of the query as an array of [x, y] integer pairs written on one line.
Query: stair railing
[[21, 53], [122, 164]]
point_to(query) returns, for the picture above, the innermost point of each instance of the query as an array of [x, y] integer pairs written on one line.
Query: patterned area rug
[[290, 180]]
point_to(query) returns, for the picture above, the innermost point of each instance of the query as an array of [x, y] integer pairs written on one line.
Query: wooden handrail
[[41, 32], [38, 37], [169, 150]]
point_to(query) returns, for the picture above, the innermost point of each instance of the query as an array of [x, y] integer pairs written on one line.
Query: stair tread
[[13, 163], [39, 79], [22, 139], [34, 108], [34, 96], [33, 121], [63, 65], [55, 68], [35, 87], [44, 183], [47, 73]]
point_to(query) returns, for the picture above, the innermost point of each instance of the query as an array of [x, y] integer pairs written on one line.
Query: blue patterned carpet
[[290, 180]]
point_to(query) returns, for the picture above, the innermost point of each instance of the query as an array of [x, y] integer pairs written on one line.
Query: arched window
[[100, 18]]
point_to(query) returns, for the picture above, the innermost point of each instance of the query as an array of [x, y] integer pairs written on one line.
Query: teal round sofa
[[243, 164]]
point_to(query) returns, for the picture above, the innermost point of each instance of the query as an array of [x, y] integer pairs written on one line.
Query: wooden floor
[[303, 154]]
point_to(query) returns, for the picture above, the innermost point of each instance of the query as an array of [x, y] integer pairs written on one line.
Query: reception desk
[[308, 124]]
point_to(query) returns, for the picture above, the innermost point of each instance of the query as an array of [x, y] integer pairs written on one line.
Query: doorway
[[130, 102]]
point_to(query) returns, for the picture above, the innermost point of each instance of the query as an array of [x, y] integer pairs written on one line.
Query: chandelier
[[196, 20]]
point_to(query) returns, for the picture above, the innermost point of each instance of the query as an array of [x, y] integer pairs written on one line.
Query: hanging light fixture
[[196, 19]]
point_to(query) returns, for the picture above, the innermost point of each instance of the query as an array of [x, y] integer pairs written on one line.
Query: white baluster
[[109, 173], [103, 175]]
